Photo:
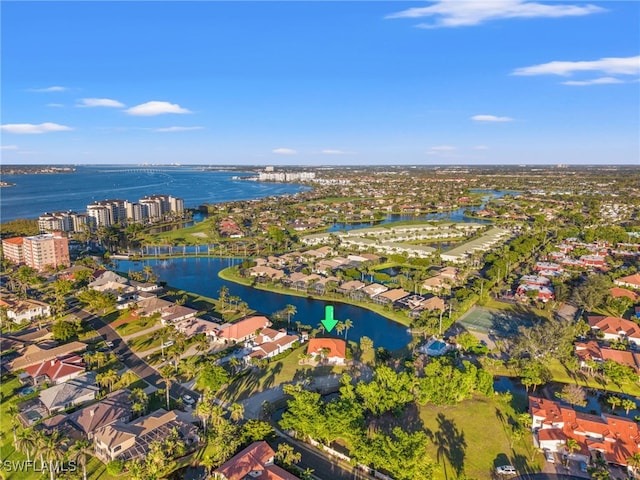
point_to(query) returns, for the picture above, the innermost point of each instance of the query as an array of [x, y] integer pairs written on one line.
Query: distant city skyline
[[452, 82]]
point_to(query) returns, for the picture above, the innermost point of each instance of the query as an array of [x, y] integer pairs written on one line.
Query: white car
[[188, 399], [506, 470], [109, 344], [548, 455]]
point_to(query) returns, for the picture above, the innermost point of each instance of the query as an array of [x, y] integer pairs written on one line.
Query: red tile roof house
[[614, 328], [332, 350], [56, 371], [631, 281], [616, 438], [617, 292], [242, 330], [592, 351], [255, 461]]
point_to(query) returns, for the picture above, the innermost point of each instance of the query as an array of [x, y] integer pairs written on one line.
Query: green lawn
[[473, 438], [281, 371], [144, 343], [136, 325]]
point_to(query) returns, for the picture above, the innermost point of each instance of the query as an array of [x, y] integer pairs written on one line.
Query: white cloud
[[442, 150], [491, 118], [30, 128], [329, 151], [155, 108], [458, 13], [55, 88], [99, 102], [595, 81], [56, 105], [609, 66], [481, 147], [178, 129], [8, 147], [284, 151]]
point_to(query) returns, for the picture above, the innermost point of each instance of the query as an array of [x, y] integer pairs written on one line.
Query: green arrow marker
[[329, 322]]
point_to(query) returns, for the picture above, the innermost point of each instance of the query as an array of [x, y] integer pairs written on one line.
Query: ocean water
[[36, 194]]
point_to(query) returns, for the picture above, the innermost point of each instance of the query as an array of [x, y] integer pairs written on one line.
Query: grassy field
[[144, 343], [231, 275], [472, 438], [134, 324], [281, 371], [96, 470]]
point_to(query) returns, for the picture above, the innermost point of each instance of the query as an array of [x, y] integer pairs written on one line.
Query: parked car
[[583, 467], [548, 455], [506, 470], [109, 344], [188, 399], [168, 344]]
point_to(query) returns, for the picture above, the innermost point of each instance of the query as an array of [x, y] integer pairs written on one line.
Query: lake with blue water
[[35, 194], [200, 275]]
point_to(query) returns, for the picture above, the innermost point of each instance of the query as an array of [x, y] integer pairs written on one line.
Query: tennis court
[[501, 323]]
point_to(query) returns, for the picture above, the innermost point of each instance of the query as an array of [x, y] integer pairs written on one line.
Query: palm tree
[[107, 379], [572, 446], [614, 401], [168, 375], [12, 411], [290, 310], [79, 452], [634, 462], [237, 412], [203, 411], [628, 405], [26, 442], [347, 325], [340, 328], [53, 449]]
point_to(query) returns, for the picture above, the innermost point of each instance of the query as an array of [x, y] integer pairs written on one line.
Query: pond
[[200, 275]]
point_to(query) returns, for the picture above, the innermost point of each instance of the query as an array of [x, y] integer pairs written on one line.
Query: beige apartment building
[[38, 251]]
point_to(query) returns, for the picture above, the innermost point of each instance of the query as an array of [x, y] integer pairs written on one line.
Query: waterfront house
[[193, 326], [270, 343], [126, 441], [328, 350], [618, 292], [255, 461], [390, 296]]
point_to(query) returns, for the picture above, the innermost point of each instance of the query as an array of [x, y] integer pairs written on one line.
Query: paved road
[[130, 359]]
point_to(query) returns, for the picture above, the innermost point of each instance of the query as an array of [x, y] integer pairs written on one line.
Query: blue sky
[[450, 82]]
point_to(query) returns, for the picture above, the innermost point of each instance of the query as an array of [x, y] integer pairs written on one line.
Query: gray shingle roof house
[[74, 392]]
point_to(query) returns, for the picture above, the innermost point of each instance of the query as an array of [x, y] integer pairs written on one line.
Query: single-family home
[[619, 292], [374, 289], [34, 354], [615, 438], [390, 296], [242, 330], [74, 392], [255, 461], [270, 343], [631, 281], [614, 328], [116, 406], [57, 370], [125, 441], [24, 310], [328, 350], [176, 313], [193, 326]]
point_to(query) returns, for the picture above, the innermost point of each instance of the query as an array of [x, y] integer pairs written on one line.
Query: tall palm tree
[[203, 411], [290, 310], [53, 449], [12, 411], [169, 376], [79, 452], [347, 325], [26, 442], [340, 328], [107, 379], [237, 412]]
